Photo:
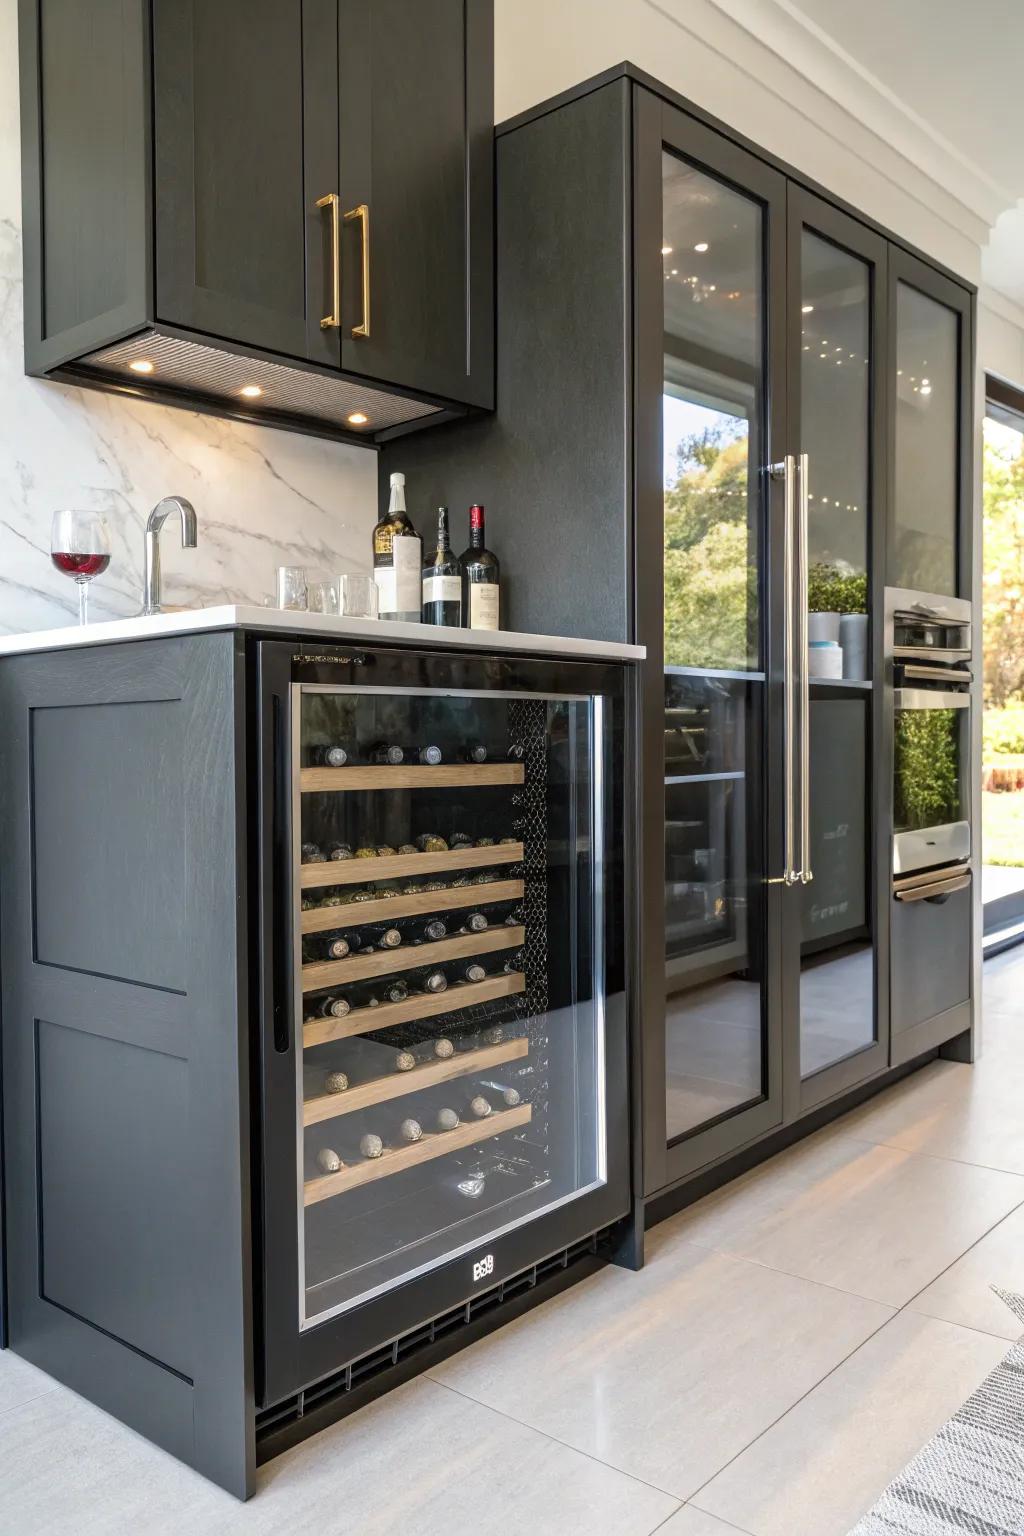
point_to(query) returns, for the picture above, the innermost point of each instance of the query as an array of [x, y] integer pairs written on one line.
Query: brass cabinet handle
[[362, 213], [333, 320], [928, 891]]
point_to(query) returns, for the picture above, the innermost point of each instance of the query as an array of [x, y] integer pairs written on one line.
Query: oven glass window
[[928, 779]]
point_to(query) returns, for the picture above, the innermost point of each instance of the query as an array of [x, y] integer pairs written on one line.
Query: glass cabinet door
[[716, 229], [449, 879], [830, 984]]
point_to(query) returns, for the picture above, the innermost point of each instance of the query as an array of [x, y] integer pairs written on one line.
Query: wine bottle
[[442, 579], [430, 931], [460, 840], [474, 752], [335, 1082], [430, 842], [478, 1106], [396, 990], [446, 1119], [403, 1132], [437, 981], [473, 971], [339, 851], [434, 1050], [515, 753], [476, 922], [328, 1161], [391, 938], [386, 752], [397, 559], [431, 755], [335, 946], [330, 756], [312, 853], [481, 576], [501, 1095], [333, 1006], [477, 1039]]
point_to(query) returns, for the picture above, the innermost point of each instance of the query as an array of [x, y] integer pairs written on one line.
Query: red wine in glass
[[85, 567], [80, 548]]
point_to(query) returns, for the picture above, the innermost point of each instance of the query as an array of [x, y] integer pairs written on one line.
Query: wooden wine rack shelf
[[355, 914], [464, 1135], [400, 865], [319, 1031], [396, 1085], [330, 973], [315, 781]]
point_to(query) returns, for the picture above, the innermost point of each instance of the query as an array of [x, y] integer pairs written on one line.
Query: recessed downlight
[[666, 250], [701, 246], [357, 419], [141, 365], [807, 309], [251, 391]]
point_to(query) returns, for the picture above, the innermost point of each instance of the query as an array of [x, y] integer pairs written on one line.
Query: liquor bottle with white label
[[481, 578], [442, 579], [397, 559]]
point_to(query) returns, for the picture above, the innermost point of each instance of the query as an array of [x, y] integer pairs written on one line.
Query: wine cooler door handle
[[362, 213], [803, 596], [280, 925], [786, 472], [332, 320]]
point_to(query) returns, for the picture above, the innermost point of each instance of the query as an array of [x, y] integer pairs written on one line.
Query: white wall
[[263, 497]]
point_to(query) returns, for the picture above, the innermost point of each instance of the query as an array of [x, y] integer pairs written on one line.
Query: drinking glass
[[291, 587], [322, 596], [357, 596], [80, 548]]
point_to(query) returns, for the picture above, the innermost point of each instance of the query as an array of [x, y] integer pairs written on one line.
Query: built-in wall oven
[[929, 641]]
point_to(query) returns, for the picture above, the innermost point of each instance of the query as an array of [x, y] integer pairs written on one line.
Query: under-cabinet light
[[357, 419], [251, 391], [141, 365]]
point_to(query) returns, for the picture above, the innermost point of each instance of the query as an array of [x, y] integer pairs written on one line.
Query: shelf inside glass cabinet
[[444, 895]]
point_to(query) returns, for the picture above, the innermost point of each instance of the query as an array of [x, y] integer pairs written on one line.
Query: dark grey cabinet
[[281, 209], [705, 431]]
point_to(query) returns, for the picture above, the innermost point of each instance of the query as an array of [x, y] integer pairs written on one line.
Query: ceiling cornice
[[815, 76]]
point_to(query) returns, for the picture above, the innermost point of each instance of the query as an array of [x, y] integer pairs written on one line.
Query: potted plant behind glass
[[837, 600]]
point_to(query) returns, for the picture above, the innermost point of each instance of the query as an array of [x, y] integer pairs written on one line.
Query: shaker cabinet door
[[237, 85], [416, 149]]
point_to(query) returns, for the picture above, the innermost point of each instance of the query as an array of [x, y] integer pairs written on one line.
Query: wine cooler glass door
[[448, 875]]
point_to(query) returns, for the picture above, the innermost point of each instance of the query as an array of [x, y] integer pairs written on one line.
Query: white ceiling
[[956, 68]]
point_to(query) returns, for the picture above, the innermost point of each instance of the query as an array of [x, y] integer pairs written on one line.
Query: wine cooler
[[445, 1020]]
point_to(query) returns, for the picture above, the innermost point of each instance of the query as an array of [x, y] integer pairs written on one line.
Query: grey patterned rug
[[970, 1477]]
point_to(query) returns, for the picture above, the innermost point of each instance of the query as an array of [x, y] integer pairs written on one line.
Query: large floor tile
[[424, 1460], [870, 1219], [953, 1111], [668, 1373], [964, 1294], [820, 1467], [20, 1382]]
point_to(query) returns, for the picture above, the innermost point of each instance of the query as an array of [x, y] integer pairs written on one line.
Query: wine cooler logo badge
[[483, 1267]]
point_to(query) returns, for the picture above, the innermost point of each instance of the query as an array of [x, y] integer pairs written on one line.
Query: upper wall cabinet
[[281, 208]]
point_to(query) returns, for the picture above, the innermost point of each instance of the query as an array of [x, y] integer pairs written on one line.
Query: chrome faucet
[[189, 538]]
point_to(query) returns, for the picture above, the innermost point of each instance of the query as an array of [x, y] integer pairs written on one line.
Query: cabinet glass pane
[[834, 406], [715, 1044], [712, 410], [837, 1011], [450, 982], [927, 435]]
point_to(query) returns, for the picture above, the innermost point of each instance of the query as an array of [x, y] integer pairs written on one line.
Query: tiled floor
[[791, 1343]]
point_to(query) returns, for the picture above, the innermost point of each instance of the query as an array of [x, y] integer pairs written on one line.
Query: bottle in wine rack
[[404, 1132], [389, 938], [442, 579], [312, 853], [331, 946], [338, 851], [333, 1006], [435, 982], [475, 922], [395, 991], [481, 578], [430, 754], [460, 840], [398, 559], [515, 753], [472, 971], [445, 1119], [476, 1105], [328, 1161], [336, 1082], [431, 842], [329, 756], [501, 1095], [388, 753], [430, 931], [478, 1039], [474, 752]]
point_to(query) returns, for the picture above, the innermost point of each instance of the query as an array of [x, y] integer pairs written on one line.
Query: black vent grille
[[399, 1352]]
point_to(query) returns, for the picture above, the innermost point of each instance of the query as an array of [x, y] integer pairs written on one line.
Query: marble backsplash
[[263, 497]]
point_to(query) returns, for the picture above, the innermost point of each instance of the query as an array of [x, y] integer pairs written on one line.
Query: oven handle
[[932, 885], [936, 674], [929, 698]]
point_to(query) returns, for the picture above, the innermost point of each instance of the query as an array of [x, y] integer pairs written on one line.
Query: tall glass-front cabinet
[[766, 330]]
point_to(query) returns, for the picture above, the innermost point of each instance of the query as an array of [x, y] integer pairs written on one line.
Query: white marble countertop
[[318, 626]]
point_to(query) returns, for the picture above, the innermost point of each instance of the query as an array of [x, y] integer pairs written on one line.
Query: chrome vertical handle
[[333, 320], [362, 213], [786, 472], [806, 873]]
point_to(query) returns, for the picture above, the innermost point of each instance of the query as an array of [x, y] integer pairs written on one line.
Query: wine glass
[[80, 547]]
